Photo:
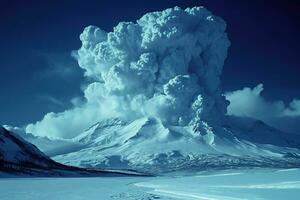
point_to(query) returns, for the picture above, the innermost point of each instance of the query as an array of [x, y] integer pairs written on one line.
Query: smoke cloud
[[166, 64], [249, 102]]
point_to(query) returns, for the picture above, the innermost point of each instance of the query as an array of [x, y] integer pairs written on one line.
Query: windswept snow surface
[[225, 185], [231, 185]]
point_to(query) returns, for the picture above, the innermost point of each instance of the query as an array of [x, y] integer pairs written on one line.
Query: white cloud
[[293, 109], [66, 124], [249, 102]]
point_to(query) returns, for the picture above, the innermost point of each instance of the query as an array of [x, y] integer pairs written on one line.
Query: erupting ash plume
[[165, 65]]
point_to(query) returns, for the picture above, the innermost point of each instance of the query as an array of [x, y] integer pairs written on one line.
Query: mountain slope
[[14, 149], [20, 158], [147, 145], [50, 147], [258, 132]]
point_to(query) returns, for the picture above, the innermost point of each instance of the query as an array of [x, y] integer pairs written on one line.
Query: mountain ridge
[[19, 158], [147, 145]]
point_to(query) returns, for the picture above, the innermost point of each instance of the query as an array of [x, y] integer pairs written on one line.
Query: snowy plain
[[223, 185]]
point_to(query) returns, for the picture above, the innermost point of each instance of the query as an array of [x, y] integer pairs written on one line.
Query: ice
[[264, 184], [233, 185], [71, 188]]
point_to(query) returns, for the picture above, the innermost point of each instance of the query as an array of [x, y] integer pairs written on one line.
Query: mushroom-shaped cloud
[[166, 64]]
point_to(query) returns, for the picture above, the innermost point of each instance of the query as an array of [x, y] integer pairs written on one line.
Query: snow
[[210, 185], [49, 146], [15, 149], [232, 185], [147, 145]]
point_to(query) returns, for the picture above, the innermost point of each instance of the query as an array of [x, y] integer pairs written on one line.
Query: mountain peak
[[146, 144]]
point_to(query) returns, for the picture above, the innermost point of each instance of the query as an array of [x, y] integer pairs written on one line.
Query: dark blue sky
[[38, 75]]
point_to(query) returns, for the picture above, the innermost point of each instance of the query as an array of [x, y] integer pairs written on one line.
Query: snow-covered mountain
[[14, 149], [146, 144], [51, 147], [18, 156], [21, 158]]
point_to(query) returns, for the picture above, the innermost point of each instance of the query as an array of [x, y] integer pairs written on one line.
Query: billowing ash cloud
[[249, 102], [166, 64]]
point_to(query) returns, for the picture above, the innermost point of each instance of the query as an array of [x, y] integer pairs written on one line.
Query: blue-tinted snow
[[226, 185]]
